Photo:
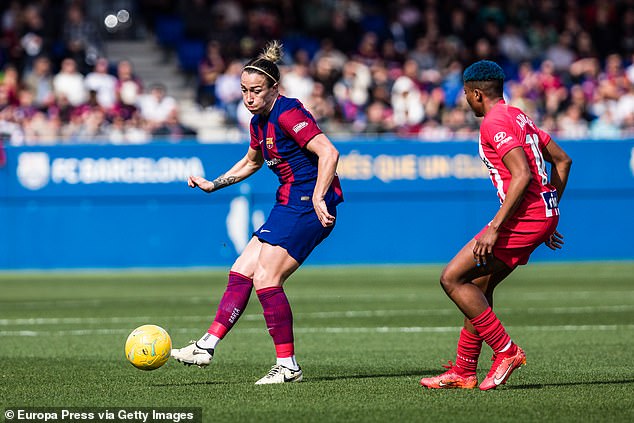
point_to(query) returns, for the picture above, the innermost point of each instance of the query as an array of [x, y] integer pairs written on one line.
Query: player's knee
[[265, 278], [447, 282]]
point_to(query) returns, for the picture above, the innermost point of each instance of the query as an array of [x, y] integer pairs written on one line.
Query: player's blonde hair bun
[[272, 51]]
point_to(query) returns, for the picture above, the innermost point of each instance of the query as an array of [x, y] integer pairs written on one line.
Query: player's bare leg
[[462, 373], [457, 280]]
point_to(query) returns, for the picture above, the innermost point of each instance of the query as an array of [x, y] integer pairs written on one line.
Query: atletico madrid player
[[515, 151], [285, 136]]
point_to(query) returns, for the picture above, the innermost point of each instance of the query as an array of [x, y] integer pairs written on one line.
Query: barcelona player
[[285, 136], [515, 151]]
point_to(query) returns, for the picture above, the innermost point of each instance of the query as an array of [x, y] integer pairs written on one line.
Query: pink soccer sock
[[232, 304], [469, 347], [491, 330], [279, 319]]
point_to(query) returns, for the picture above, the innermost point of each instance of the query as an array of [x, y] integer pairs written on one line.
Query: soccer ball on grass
[[148, 347]]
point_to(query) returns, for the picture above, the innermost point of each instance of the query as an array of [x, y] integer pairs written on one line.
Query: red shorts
[[519, 237]]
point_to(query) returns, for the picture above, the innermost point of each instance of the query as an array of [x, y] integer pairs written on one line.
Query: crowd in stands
[[361, 67], [58, 86]]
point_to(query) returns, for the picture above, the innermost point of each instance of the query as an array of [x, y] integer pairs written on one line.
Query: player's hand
[[483, 247], [200, 182], [323, 214], [555, 241]]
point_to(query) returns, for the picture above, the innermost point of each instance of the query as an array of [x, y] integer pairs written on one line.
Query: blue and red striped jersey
[[282, 137]]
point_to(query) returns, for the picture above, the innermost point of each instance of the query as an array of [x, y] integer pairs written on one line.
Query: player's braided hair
[[485, 75], [265, 62]]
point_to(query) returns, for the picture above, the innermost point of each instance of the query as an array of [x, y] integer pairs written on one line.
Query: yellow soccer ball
[[148, 347]]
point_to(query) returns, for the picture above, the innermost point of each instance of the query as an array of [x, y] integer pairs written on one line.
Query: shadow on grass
[[193, 383], [309, 379], [591, 382], [417, 372]]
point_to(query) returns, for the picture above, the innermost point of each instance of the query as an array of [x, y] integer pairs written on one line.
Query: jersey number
[[533, 141]]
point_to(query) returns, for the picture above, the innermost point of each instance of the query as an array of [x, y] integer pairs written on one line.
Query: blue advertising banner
[[109, 206]]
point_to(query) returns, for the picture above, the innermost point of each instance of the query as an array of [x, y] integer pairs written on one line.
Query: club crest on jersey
[[269, 142]]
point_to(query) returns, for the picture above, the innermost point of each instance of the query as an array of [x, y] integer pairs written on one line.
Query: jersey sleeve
[[299, 124], [544, 138], [254, 143], [500, 135]]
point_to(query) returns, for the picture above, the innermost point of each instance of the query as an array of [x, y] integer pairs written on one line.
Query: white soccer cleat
[[281, 374], [193, 355]]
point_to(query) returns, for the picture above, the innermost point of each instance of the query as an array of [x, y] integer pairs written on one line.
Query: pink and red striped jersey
[[506, 127]]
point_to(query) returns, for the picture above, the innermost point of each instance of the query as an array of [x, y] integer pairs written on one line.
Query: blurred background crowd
[[361, 67]]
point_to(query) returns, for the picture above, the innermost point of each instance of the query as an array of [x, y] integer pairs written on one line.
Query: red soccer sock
[[278, 318], [232, 304], [491, 330], [469, 347]]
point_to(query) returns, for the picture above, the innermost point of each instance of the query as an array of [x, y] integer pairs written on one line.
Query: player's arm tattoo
[[223, 181]]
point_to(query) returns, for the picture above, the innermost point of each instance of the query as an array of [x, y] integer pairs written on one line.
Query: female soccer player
[[286, 137], [515, 151]]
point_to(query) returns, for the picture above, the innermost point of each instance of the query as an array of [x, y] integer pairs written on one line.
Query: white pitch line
[[316, 315], [532, 296], [329, 330]]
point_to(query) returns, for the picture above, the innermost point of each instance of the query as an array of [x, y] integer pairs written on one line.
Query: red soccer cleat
[[449, 380], [503, 366]]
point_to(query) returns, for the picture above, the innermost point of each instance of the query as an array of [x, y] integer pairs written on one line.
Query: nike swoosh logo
[[500, 380], [264, 230], [290, 379]]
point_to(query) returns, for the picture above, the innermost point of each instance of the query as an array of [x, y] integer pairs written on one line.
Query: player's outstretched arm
[[244, 168], [561, 164], [326, 168]]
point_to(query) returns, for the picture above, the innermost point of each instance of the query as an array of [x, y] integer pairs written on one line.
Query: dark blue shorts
[[297, 230]]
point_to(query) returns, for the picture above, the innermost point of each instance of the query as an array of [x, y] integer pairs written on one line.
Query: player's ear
[[477, 94]]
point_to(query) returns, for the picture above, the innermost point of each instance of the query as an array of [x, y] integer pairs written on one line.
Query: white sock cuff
[[208, 341]]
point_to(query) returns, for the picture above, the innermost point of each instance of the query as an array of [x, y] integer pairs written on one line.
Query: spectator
[[320, 105], [379, 119], [228, 91], [327, 50], [70, 83], [351, 91], [423, 54], [297, 81], [172, 130], [561, 54], [572, 124], [103, 83], [39, 81], [407, 105], [33, 39], [127, 90], [604, 127], [156, 107], [512, 46], [209, 69], [10, 82], [81, 38]]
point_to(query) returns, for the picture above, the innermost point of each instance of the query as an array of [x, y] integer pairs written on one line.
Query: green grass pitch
[[364, 337]]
